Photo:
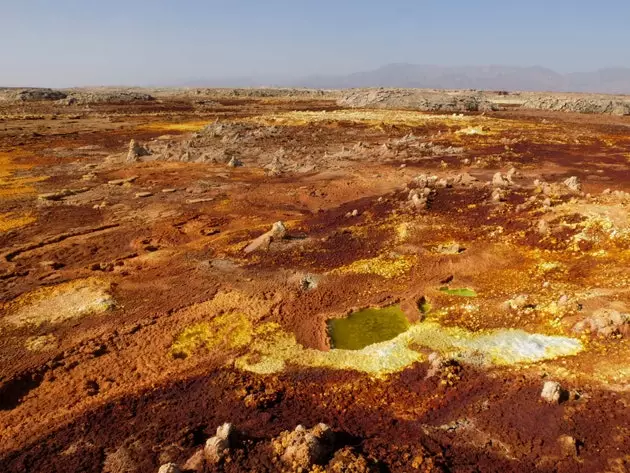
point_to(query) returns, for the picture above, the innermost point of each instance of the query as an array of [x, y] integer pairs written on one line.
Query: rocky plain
[[297, 280]]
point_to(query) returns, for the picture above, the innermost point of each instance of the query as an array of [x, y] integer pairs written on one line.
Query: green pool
[[367, 327]]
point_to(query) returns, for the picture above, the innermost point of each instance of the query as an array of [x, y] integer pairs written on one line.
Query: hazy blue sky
[[89, 42]]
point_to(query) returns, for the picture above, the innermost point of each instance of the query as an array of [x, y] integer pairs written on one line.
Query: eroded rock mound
[[278, 232], [107, 97], [302, 448], [414, 99], [216, 446], [136, 151], [33, 95], [605, 323], [580, 105], [348, 461]]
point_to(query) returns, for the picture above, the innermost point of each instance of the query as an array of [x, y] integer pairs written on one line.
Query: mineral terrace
[[218, 280]]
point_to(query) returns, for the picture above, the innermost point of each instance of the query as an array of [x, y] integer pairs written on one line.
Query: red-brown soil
[[79, 387]]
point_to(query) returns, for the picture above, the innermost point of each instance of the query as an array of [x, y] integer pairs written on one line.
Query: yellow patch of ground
[[368, 117], [12, 185], [384, 266], [270, 349], [402, 231], [57, 304], [42, 343], [181, 127], [227, 330], [273, 349], [9, 221]]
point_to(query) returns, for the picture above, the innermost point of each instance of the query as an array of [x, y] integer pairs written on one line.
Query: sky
[[62, 43]]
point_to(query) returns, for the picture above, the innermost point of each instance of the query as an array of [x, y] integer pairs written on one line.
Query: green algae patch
[[367, 327], [228, 331], [462, 292]]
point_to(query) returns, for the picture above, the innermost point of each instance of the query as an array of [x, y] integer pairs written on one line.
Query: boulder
[[277, 232], [234, 162], [498, 180], [196, 462], [498, 195], [553, 392], [573, 183], [136, 151], [605, 323], [215, 447], [568, 445], [304, 448], [169, 468], [464, 179]]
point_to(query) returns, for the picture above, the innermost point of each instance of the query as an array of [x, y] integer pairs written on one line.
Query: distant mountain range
[[610, 81]]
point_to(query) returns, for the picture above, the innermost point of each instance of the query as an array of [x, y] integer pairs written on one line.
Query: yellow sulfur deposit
[[384, 266], [228, 331], [12, 185], [57, 304], [9, 221]]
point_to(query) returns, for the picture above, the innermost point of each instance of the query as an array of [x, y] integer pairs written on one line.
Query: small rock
[[55, 195], [518, 303], [498, 195], [196, 462], [120, 182], [553, 393], [568, 445], [54, 265], [355, 213], [420, 203], [140, 195], [511, 174], [499, 181], [304, 448], [419, 182], [543, 227], [214, 450], [605, 323], [226, 431], [277, 232], [464, 179], [234, 162], [200, 200], [450, 249], [169, 468], [436, 362], [348, 461], [606, 191], [309, 282], [136, 151], [168, 191], [573, 184]]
